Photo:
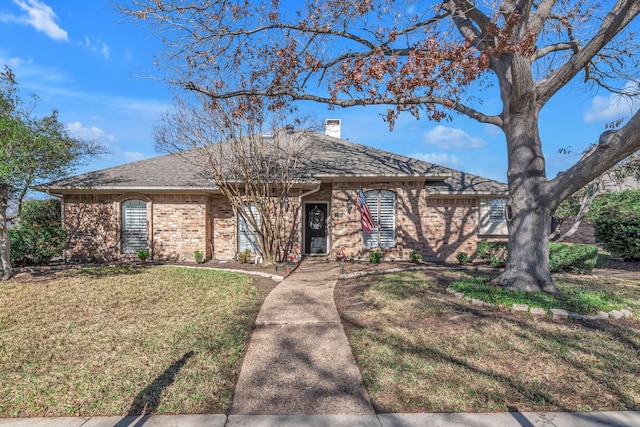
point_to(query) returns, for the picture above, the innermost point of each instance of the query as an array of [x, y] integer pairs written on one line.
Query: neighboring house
[[167, 205]]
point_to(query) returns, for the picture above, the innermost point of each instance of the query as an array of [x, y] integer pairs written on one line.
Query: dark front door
[[315, 228]]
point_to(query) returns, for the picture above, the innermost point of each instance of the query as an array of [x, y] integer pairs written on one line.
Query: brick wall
[[92, 227], [180, 226], [436, 226], [585, 234], [224, 222]]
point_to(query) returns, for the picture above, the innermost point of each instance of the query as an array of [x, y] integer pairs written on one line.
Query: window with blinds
[[134, 226], [382, 205], [247, 235], [496, 210]]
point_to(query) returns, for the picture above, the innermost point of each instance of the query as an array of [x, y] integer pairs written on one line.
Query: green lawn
[[422, 350], [116, 341]]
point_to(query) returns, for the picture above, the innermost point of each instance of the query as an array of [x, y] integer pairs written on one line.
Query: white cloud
[[492, 130], [452, 139], [98, 46], [92, 133], [133, 156], [439, 159], [38, 15], [609, 108]]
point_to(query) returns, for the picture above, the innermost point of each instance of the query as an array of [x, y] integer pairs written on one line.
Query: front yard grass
[[118, 341], [422, 350]]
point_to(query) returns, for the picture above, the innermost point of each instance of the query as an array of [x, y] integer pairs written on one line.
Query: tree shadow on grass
[[100, 272], [568, 341], [147, 401]]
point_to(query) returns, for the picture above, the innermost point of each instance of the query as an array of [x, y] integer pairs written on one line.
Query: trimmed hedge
[[39, 235], [620, 236], [36, 246], [576, 259]]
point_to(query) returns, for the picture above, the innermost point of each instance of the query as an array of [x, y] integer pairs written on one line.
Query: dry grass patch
[[116, 341], [421, 350]]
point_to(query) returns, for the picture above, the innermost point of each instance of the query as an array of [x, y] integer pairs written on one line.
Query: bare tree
[[254, 158], [425, 58]]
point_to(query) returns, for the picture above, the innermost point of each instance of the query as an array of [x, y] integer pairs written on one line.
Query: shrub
[[494, 253], [620, 235], [199, 256], [375, 256], [576, 259], [39, 235], [462, 257], [143, 254], [244, 257], [415, 256], [621, 204]]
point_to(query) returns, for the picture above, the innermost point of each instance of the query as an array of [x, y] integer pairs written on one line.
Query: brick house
[[169, 206]]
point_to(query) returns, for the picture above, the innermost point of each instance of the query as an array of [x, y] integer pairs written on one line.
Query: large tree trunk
[[528, 210], [5, 260], [527, 267]]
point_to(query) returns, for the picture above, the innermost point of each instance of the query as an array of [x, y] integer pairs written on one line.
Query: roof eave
[[373, 177]]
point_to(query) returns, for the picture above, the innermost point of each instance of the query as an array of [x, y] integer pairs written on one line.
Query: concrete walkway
[[299, 360], [502, 419]]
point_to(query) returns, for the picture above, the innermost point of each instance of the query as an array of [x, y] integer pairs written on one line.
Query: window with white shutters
[[247, 236], [134, 226], [382, 205]]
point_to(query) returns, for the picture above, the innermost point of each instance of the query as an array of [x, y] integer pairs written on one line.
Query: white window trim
[[497, 209], [126, 233], [375, 196]]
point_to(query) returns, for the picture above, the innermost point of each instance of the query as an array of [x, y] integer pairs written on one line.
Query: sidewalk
[[299, 360], [502, 419]]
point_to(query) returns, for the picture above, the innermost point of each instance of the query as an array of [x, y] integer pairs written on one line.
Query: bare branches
[[614, 22], [553, 48], [255, 162]]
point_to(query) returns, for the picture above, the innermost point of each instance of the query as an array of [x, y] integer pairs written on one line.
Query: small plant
[[415, 256], [199, 256], [142, 254], [244, 257], [494, 253], [375, 256], [93, 256], [462, 257]]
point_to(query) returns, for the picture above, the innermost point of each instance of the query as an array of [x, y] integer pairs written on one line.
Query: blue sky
[[83, 61]]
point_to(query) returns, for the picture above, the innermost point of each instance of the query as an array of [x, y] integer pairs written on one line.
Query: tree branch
[[537, 20], [558, 47], [620, 15], [613, 146], [464, 14], [296, 96]]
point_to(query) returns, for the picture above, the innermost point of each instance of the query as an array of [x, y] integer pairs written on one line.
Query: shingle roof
[[326, 159]]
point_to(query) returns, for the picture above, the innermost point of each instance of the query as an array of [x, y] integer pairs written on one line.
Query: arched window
[[496, 210], [134, 226], [382, 205]]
